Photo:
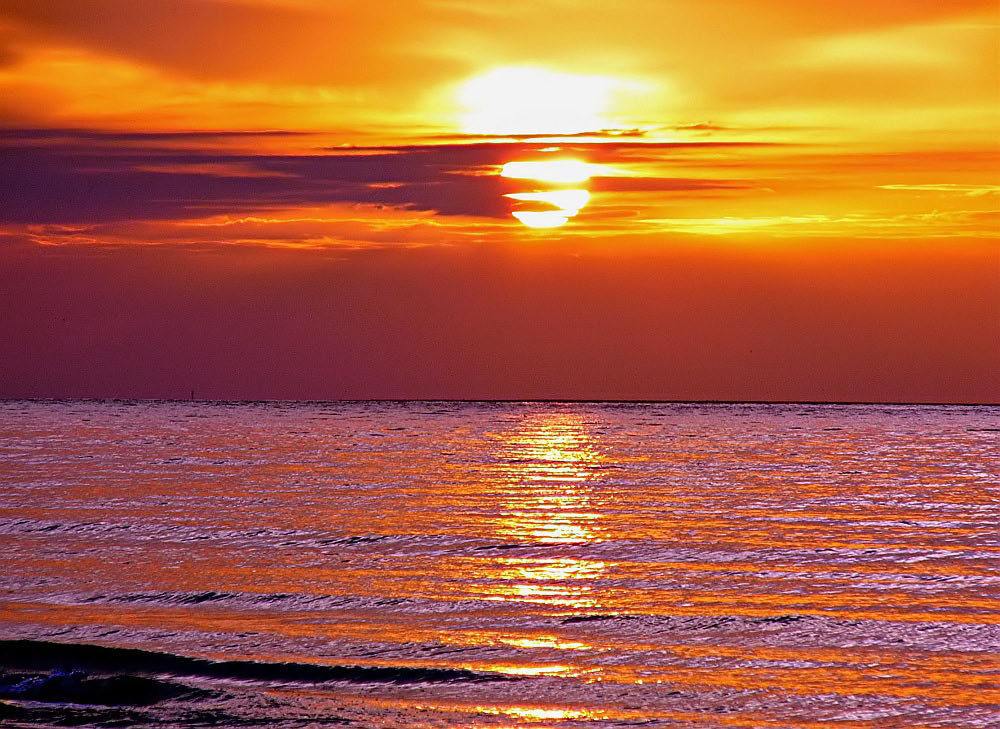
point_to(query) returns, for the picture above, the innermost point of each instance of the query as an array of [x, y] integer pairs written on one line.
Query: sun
[[565, 203], [551, 170], [526, 100]]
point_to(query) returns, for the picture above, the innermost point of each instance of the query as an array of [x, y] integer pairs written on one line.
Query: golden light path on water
[[542, 480], [550, 462], [564, 202]]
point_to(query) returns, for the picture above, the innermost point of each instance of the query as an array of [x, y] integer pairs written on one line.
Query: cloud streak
[[68, 177]]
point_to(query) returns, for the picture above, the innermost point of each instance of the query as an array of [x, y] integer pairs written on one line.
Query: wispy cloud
[[948, 189]]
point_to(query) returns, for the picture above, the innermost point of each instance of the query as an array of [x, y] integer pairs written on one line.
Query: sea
[[509, 564]]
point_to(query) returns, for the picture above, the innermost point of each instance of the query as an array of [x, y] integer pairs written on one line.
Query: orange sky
[[779, 200]]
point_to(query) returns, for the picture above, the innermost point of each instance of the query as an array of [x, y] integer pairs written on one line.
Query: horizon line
[[551, 400]]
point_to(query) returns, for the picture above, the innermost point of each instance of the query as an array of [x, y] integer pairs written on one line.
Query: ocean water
[[438, 564]]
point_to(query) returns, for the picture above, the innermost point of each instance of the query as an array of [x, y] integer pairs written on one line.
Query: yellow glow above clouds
[[525, 100]]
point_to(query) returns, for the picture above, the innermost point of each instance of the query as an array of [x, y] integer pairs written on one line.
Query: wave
[[76, 687], [33, 655]]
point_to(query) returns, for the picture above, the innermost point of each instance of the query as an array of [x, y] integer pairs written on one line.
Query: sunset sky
[[640, 199]]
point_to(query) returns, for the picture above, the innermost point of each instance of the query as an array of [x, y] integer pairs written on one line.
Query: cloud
[[667, 184], [72, 134], [948, 189], [56, 86], [73, 183], [973, 224], [119, 188], [307, 43], [200, 63], [69, 177]]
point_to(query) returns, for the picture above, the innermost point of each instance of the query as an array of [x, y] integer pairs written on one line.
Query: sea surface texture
[[435, 564]]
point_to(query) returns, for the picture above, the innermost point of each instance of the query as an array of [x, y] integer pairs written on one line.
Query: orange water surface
[[584, 564]]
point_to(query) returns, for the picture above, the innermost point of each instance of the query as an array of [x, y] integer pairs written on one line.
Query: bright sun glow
[[551, 170], [563, 199], [567, 202], [542, 218], [524, 100]]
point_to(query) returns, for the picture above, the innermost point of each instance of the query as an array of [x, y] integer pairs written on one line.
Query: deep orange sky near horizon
[[302, 199]]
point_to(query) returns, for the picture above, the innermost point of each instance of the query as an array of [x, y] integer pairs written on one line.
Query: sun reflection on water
[[566, 582], [544, 470], [542, 713], [543, 485], [546, 641], [551, 447]]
